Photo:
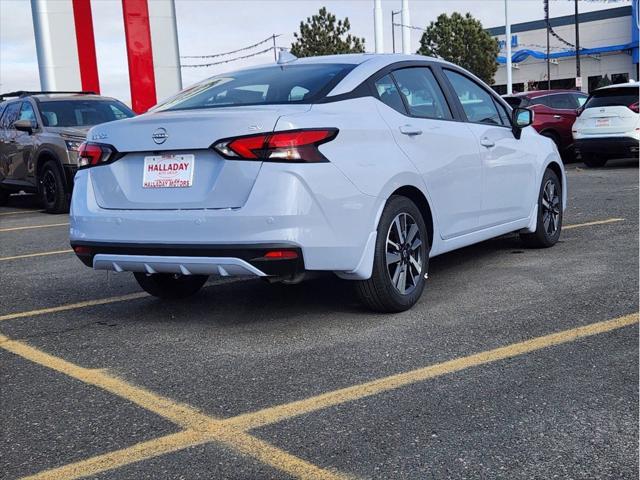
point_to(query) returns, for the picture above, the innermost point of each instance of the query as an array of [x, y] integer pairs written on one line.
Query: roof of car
[[620, 85], [540, 93], [52, 96]]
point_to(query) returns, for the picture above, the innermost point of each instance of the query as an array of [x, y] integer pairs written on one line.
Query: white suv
[[608, 125], [361, 165]]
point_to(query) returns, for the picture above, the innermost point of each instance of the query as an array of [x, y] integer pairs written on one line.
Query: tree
[[462, 40], [322, 35]]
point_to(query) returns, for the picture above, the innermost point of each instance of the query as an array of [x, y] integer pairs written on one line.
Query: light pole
[[393, 29], [579, 87], [507, 32], [406, 31], [377, 18]]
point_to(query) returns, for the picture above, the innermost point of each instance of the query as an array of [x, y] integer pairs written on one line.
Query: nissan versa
[[362, 165]]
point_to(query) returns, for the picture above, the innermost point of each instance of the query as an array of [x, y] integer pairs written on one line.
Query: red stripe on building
[[139, 54], [86, 45]]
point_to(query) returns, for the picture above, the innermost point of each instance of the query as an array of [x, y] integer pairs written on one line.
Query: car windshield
[[260, 86], [613, 97], [82, 113]]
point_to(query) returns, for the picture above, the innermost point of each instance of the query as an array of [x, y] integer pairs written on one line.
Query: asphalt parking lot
[[516, 363]]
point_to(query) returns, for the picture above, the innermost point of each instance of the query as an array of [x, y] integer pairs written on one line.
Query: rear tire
[[170, 286], [592, 161], [51, 188], [549, 223], [401, 259]]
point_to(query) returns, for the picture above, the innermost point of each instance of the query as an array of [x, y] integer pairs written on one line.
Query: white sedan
[[362, 165]]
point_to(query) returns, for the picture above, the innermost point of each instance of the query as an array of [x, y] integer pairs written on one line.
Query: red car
[[555, 112]]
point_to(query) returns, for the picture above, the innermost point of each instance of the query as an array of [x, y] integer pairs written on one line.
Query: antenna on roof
[[285, 57]]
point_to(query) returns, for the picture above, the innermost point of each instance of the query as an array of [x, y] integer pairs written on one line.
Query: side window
[[423, 94], [388, 94], [297, 93], [546, 101], [477, 103], [563, 101], [581, 99], [10, 115], [505, 114], [27, 113]]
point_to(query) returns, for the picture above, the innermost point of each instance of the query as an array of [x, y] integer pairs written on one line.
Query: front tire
[[169, 285], [401, 259], [51, 187], [549, 222]]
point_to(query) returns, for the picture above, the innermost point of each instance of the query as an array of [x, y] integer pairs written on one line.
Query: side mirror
[[522, 117], [24, 126]]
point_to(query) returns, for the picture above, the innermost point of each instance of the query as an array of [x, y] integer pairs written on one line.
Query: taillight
[[634, 107], [92, 154], [298, 146]]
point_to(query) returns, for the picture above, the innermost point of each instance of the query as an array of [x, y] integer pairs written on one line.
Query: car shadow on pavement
[[24, 201]]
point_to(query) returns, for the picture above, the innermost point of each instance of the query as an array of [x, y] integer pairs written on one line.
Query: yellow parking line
[[233, 431], [13, 229], [589, 224], [197, 424], [73, 306], [30, 255], [20, 212], [281, 412], [119, 458]]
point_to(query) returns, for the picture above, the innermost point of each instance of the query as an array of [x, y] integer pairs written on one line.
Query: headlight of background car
[[73, 145]]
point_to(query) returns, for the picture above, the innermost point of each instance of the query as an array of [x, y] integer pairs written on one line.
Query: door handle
[[486, 142], [410, 130], [557, 116]]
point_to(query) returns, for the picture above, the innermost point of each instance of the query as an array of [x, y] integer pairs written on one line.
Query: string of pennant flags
[[272, 48]]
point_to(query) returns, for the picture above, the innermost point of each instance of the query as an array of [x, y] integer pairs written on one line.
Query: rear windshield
[[613, 97], [80, 113], [261, 86]]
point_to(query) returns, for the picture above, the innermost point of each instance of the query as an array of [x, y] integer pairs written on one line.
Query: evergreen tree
[[462, 40], [323, 35]]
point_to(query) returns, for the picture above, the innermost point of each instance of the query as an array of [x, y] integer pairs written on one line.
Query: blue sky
[[211, 26]]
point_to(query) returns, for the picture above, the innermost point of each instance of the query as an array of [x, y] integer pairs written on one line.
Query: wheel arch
[[416, 196], [43, 156]]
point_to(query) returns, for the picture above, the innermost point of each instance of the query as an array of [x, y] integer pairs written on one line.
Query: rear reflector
[[299, 146], [281, 254], [81, 250]]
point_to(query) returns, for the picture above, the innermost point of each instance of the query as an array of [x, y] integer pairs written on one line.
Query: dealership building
[[608, 51]]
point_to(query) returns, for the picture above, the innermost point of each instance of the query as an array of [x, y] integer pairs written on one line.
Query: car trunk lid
[[172, 148]]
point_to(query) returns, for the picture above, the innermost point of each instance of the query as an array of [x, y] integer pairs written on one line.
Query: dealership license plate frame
[[603, 122], [168, 171]]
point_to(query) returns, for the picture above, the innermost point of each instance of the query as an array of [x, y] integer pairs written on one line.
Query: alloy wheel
[[404, 253], [550, 208], [49, 187]]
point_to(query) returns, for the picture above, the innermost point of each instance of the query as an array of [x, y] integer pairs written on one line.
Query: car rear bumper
[[608, 146], [221, 260], [312, 208]]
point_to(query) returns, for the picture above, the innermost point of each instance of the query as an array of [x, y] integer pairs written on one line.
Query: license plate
[[602, 122], [168, 171]]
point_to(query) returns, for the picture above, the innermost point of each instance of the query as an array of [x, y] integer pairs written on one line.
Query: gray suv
[[40, 133]]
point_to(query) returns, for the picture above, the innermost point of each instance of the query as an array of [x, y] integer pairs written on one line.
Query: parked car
[[608, 125], [363, 165], [555, 111], [40, 133]]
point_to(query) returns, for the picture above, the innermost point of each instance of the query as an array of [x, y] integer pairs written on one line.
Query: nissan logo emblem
[[160, 136]]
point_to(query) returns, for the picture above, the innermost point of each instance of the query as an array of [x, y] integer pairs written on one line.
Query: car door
[[22, 160], [508, 164], [565, 110], [7, 139], [442, 149]]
